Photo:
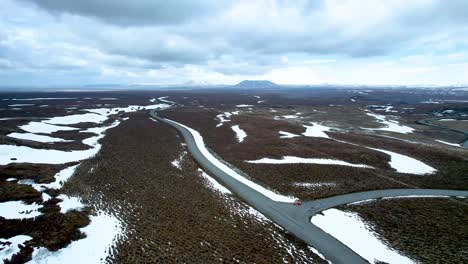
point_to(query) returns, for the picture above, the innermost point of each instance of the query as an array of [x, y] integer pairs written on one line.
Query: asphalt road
[[296, 219]]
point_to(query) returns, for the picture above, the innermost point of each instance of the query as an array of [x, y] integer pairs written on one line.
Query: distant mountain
[[256, 84]]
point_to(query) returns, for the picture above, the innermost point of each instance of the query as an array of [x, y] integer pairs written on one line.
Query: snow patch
[[10, 246], [448, 143], [285, 134], [391, 125], [40, 127], [405, 164], [34, 137], [240, 133], [296, 160], [316, 130], [101, 234], [19, 210], [351, 230], [69, 204], [177, 162], [60, 178], [314, 185]]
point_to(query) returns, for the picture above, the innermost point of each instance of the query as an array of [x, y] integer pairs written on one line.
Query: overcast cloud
[[68, 42]]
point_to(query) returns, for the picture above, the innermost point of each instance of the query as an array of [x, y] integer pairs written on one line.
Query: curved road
[[296, 219], [427, 122]]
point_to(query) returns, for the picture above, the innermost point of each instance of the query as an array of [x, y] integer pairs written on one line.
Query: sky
[[365, 42]]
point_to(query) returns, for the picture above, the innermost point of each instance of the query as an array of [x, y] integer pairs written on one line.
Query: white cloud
[[294, 42]]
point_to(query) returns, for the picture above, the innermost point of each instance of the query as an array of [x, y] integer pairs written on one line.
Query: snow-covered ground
[[10, 246], [390, 125], [178, 162], [104, 229], [19, 210], [314, 185], [42, 127], [38, 138], [101, 234], [316, 130], [285, 134], [201, 145], [240, 133], [244, 105], [290, 116], [60, 178], [296, 160], [405, 164], [351, 230], [213, 184], [224, 117], [448, 143], [69, 203]]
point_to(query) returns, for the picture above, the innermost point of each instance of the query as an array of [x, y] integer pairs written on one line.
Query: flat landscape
[[112, 175]]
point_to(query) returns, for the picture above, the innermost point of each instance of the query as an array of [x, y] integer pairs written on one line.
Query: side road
[[296, 219]]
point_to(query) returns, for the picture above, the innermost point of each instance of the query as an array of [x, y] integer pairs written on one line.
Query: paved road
[[296, 219]]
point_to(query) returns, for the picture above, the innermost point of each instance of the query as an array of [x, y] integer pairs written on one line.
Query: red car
[[297, 202]]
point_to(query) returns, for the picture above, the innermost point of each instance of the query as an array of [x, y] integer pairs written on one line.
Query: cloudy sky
[[70, 42]]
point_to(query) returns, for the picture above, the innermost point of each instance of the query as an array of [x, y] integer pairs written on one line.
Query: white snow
[[60, 178], [34, 137], [201, 145], [240, 133], [290, 116], [223, 118], [69, 204], [8, 250], [351, 230], [78, 118], [46, 197], [47, 156], [405, 164], [448, 143], [391, 125], [296, 160], [11, 179], [177, 162], [244, 105], [19, 210], [314, 185], [41, 127], [316, 130], [285, 134], [101, 234], [52, 156], [215, 185]]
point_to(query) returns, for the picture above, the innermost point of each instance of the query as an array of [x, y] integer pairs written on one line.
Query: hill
[[256, 84]]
